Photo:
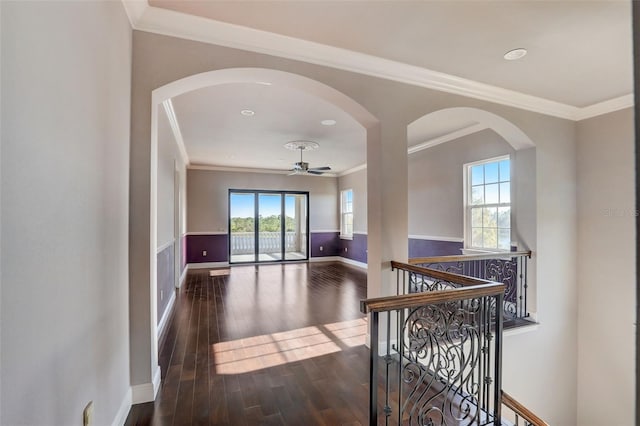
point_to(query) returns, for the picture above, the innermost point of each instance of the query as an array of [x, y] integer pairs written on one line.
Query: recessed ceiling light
[[515, 54], [328, 122], [247, 112]]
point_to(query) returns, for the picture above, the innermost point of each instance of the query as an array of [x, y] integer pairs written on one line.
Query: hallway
[[269, 344]]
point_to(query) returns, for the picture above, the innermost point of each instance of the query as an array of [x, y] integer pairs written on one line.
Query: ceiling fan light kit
[[302, 167]]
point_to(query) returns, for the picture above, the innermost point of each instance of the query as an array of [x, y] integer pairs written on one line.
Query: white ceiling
[[579, 64], [216, 133]]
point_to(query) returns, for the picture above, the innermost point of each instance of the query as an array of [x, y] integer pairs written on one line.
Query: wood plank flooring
[[269, 344]]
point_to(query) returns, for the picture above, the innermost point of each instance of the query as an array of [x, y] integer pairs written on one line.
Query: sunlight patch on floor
[[270, 350]]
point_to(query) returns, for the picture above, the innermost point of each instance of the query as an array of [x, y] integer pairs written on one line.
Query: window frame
[[468, 247], [346, 235]]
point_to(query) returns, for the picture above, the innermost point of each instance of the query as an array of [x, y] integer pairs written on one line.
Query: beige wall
[[606, 272], [66, 70], [356, 181], [208, 197], [159, 60]]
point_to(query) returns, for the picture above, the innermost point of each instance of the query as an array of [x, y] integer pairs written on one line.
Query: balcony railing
[[509, 268], [269, 242], [436, 356]]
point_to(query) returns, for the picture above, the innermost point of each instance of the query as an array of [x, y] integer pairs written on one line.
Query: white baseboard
[[353, 263], [207, 265], [167, 314], [146, 392], [123, 411], [339, 259], [325, 259], [183, 275]]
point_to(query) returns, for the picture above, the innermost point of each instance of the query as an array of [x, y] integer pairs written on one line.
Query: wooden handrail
[[462, 280], [521, 410], [414, 300], [468, 257]]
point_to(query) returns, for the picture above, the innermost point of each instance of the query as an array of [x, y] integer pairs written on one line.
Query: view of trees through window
[[267, 224]]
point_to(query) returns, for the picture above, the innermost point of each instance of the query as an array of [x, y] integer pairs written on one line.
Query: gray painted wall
[[207, 199], [159, 60], [606, 272], [358, 182], [436, 189], [66, 74]]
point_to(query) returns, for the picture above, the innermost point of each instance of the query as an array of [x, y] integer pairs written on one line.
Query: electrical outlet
[[87, 414], [204, 253], [346, 249], [321, 248]]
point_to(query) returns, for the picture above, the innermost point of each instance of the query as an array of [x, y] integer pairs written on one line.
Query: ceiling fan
[[302, 167]]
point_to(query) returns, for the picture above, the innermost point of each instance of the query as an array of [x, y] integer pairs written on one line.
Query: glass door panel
[[295, 237], [242, 227], [270, 227]]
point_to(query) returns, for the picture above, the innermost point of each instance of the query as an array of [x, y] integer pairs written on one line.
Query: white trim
[[325, 259], [359, 233], [605, 107], [339, 259], [353, 170], [346, 237], [211, 167], [355, 263], [167, 313], [434, 238], [165, 246], [207, 265], [474, 128], [206, 233], [146, 392], [183, 276], [123, 411], [175, 128], [319, 231], [162, 21]]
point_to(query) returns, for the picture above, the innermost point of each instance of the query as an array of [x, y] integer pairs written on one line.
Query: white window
[[346, 213], [488, 204]]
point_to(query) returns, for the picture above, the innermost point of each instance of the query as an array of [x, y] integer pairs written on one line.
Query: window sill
[[346, 237]]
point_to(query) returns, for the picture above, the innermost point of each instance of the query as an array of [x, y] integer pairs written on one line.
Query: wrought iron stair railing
[[509, 268], [436, 356]]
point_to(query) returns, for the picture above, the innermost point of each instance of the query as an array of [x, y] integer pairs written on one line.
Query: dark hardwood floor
[[270, 344]]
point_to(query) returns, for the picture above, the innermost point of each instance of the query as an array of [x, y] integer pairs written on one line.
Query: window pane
[[491, 173], [505, 192], [477, 195], [505, 171], [491, 194], [504, 217], [490, 217], [504, 239], [476, 217], [349, 196], [477, 175], [476, 237], [490, 237]]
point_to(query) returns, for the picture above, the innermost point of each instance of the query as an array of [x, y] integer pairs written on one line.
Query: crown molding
[[251, 170], [166, 22], [605, 107], [353, 170], [474, 128]]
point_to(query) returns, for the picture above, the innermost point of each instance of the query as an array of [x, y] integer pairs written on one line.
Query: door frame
[[256, 207]]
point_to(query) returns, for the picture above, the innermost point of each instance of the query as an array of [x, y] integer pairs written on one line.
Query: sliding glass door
[[268, 226]]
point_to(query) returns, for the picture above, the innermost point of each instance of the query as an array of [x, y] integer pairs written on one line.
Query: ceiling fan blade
[[321, 168], [294, 172], [314, 172]]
